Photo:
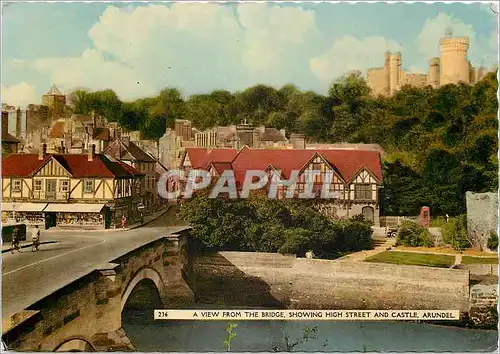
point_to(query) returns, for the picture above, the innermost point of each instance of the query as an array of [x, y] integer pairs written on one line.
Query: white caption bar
[[324, 315]]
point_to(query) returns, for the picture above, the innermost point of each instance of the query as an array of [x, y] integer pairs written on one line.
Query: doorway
[[368, 213], [50, 220]]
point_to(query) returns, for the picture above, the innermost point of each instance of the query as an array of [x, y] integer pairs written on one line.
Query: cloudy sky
[[137, 49]]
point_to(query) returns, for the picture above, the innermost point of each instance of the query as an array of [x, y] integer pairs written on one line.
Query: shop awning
[[34, 207], [73, 208]]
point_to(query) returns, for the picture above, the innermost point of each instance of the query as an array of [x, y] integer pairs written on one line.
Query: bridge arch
[[75, 344], [145, 273]]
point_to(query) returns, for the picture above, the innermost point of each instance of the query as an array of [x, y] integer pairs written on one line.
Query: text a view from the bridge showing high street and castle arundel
[[259, 176]]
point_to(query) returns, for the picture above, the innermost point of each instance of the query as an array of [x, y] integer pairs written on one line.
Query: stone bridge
[[87, 314]]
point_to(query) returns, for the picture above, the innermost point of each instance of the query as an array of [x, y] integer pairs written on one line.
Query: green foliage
[[230, 335], [260, 224], [455, 232], [493, 241], [438, 143], [411, 234]]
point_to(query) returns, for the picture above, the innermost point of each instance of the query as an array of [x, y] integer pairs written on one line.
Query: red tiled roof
[[24, 165], [346, 162], [202, 157], [220, 167]]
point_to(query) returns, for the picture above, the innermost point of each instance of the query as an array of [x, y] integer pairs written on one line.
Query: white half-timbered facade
[[68, 190]]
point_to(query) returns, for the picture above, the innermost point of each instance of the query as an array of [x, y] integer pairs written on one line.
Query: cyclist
[[35, 237], [16, 243]]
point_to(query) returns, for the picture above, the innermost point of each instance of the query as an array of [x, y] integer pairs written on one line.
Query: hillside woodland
[[439, 143]]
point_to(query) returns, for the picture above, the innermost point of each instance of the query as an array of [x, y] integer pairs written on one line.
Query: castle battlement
[[451, 67]]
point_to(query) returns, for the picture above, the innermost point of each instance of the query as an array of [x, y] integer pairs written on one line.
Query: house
[[200, 158], [125, 150], [356, 174], [9, 143], [69, 190]]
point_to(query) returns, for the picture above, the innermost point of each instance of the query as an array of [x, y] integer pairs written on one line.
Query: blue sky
[[137, 49]]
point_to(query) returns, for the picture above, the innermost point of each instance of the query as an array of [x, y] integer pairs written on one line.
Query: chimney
[[68, 141], [62, 147], [42, 151], [91, 152]]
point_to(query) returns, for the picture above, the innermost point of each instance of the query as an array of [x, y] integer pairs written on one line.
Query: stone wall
[[483, 305], [90, 308], [482, 217], [274, 280]]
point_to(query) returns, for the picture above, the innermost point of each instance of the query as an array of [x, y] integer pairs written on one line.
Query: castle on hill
[[451, 67]]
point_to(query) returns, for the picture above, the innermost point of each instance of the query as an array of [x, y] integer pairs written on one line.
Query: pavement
[[381, 245], [28, 277], [24, 244]]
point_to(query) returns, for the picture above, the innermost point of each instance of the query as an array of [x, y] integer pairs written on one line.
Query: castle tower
[[433, 73], [454, 63], [55, 100], [387, 73], [394, 72]]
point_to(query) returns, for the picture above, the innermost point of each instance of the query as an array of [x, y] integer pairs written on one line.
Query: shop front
[[78, 215], [30, 214]]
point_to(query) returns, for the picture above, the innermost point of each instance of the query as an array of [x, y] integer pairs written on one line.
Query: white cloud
[[350, 53], [92, 71], [435, 28], [187, 45], [19, 95]]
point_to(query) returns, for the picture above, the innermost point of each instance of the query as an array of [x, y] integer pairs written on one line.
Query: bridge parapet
[[88, 311]]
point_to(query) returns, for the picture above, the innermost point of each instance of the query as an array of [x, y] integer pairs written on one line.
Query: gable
[[319, 163], [364, 176], [52, 168]]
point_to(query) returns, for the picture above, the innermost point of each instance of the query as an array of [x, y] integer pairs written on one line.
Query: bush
[[260, 224], [426, 238], [455, 232], [296, 242], [493, 241], [411, 234], [355, 236]]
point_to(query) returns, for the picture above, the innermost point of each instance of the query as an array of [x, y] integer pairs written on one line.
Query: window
[[363, 191], [17, 185], [38, 185], [64, 186], [119, 188], [88, 186]]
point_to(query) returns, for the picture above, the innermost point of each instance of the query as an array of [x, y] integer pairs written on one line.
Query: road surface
[[30, 276]]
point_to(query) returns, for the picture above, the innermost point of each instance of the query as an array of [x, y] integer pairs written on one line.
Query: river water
[[182, 336]]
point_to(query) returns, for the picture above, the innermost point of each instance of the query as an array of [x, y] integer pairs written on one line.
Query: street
[[30, 276]]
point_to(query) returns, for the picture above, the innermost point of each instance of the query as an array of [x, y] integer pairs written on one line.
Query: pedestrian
[[15, 240], [35, 238], [124, 221]]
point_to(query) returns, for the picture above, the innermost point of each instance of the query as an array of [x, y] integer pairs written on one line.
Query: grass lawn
[[407, 258], [479, 260]]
